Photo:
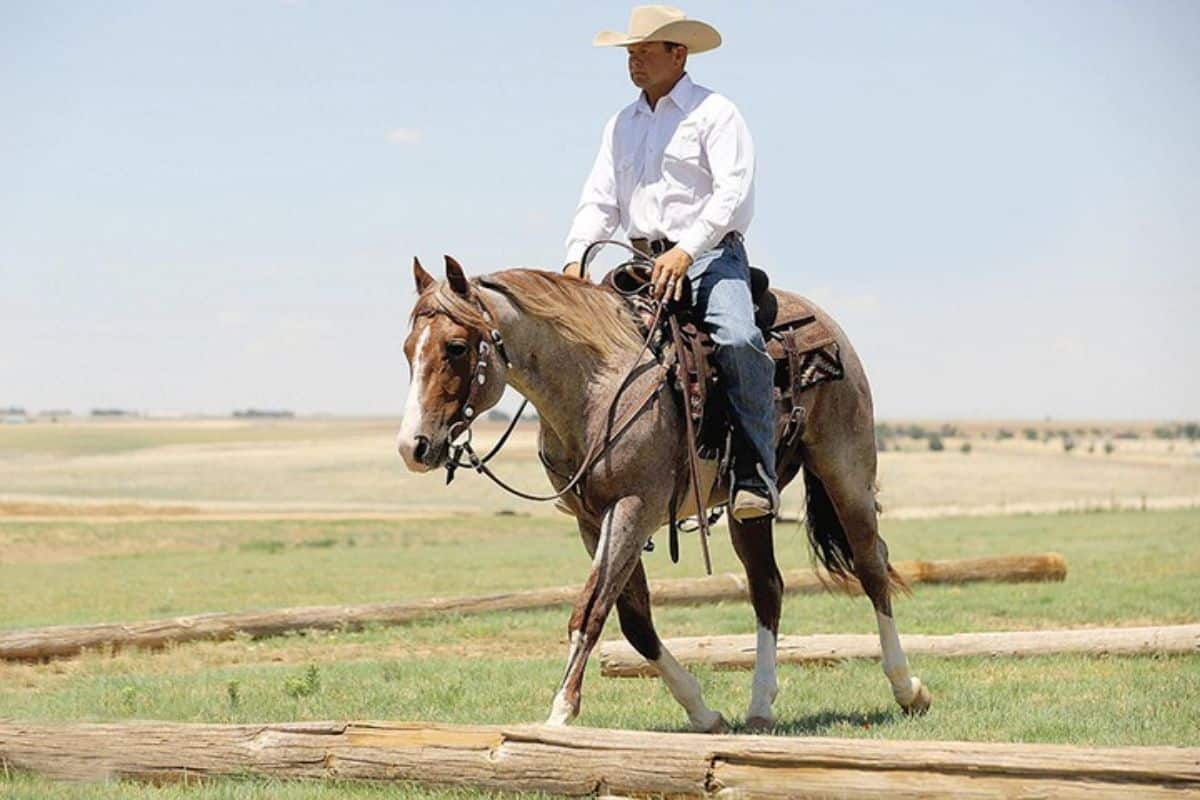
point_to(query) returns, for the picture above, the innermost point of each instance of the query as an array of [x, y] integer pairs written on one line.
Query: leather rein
[[597, 448]]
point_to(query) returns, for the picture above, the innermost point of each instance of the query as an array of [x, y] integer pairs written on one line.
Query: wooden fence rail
[[619, 660], [581, 761], [69, 640]]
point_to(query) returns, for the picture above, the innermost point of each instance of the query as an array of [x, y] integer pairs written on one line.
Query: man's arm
[[731, 159], [598, 213]]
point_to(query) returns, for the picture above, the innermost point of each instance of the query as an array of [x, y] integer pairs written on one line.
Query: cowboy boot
[[753, 495]]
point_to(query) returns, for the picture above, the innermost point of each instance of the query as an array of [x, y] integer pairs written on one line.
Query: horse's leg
[[753, 543], [624, 528], [848, 488], [633, 609]]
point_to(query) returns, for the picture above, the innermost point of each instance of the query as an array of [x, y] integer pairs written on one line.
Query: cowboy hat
[[662, 24]]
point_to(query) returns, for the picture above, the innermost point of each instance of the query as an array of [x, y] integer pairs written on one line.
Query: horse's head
[[457, 364]]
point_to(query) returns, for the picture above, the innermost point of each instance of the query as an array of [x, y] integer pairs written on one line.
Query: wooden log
[[70, 640], [582, 761], [619, 660]]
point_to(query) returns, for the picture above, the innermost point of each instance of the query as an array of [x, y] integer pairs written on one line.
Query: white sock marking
[[895, 665], [762, 696], [561, 710], [686, 689]]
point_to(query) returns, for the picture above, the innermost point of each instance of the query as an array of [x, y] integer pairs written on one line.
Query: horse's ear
[[456, 277], [424, 279]]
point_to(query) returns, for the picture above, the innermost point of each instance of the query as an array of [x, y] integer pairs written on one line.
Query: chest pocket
[[683, 159]]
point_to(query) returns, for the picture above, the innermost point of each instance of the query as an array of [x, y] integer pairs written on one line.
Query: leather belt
[[657, 247], [652, 248]]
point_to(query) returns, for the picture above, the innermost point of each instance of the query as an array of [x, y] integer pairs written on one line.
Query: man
[[676, 170]]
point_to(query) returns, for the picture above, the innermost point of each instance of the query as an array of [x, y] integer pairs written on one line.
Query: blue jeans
[[720, 282]]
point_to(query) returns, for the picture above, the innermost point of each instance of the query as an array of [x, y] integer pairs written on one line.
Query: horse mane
[[582, 311]]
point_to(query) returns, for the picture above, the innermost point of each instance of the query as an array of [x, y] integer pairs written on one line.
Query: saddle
[[803, 347]]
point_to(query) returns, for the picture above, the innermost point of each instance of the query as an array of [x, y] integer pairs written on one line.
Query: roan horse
[[567, 345]]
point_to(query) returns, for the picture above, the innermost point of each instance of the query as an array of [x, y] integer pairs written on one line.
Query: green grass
[[1124, 568]]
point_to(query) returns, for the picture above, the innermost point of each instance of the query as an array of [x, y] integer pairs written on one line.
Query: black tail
[[825, 532], [828, 539]]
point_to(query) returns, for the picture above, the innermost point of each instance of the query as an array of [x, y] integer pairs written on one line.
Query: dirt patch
[[46, 510]]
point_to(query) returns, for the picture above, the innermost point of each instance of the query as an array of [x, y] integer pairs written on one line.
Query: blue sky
[[214, 205]]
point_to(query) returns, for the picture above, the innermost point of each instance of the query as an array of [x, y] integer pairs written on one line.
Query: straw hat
[[662, 24]]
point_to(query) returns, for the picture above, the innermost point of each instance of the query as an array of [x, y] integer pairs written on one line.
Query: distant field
[[161, 524], [351, 465]]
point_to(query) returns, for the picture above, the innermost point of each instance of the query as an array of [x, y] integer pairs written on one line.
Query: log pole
[[581, 761], [619, 660], [70, 640]]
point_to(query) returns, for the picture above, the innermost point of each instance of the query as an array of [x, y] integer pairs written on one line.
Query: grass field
[[124, 563]]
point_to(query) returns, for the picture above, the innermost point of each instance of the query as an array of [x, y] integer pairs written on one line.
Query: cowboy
[[676, 170]]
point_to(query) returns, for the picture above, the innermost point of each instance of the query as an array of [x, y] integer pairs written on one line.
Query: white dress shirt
[[682, 171]]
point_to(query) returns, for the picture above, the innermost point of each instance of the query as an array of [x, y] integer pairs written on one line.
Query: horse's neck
[[561, 378]]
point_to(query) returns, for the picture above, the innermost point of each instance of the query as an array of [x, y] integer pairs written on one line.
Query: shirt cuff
[[575, 252]]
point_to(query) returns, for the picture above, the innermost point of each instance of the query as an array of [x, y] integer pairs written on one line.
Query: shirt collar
[[680, 95]]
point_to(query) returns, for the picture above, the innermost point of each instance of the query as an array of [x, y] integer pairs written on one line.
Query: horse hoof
[[759, 725], [719, 725], [920, 702]]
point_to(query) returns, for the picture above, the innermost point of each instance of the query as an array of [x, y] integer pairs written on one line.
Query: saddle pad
[[814, 356]]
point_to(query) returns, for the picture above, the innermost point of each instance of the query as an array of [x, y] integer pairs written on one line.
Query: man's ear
[[457, 278], [423, 278]]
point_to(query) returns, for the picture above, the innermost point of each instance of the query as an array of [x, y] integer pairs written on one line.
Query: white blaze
[[414, 415]]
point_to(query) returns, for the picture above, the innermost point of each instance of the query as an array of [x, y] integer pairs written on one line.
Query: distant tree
[[1068, 444], [1109, 447], [917, 432], [1031, 434], [1004, 433], [113, 412], [949, 430], [263, 413], [1165, 432], [935, 443], [496, 415], [965, 447]]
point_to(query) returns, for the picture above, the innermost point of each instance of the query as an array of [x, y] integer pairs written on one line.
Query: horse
[[573, 349]]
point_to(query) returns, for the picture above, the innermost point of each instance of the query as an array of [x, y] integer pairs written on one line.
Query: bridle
[[597, 448]]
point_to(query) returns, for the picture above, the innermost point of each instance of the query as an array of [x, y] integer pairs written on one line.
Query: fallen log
[[70, 640], [581, 761], [619, 660]]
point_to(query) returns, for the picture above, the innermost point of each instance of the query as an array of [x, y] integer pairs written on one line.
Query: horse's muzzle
[[420, 454]]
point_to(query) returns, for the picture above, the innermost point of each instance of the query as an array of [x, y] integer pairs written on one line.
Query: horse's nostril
[[421, 449]]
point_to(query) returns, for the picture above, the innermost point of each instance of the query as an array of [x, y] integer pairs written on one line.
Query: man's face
[[652, 64]]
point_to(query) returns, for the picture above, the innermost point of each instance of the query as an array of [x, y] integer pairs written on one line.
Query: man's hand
[[573, 269], [669, 274]]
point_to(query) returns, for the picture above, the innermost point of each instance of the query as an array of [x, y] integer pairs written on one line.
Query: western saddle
[[803, 347]]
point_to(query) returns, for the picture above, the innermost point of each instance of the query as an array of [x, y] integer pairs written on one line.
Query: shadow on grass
[[824, 721], [808, 725]]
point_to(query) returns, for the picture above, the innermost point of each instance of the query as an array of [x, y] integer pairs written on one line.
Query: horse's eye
[[456, 348]]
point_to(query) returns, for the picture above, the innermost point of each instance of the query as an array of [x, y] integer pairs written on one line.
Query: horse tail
[[827, 537]]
